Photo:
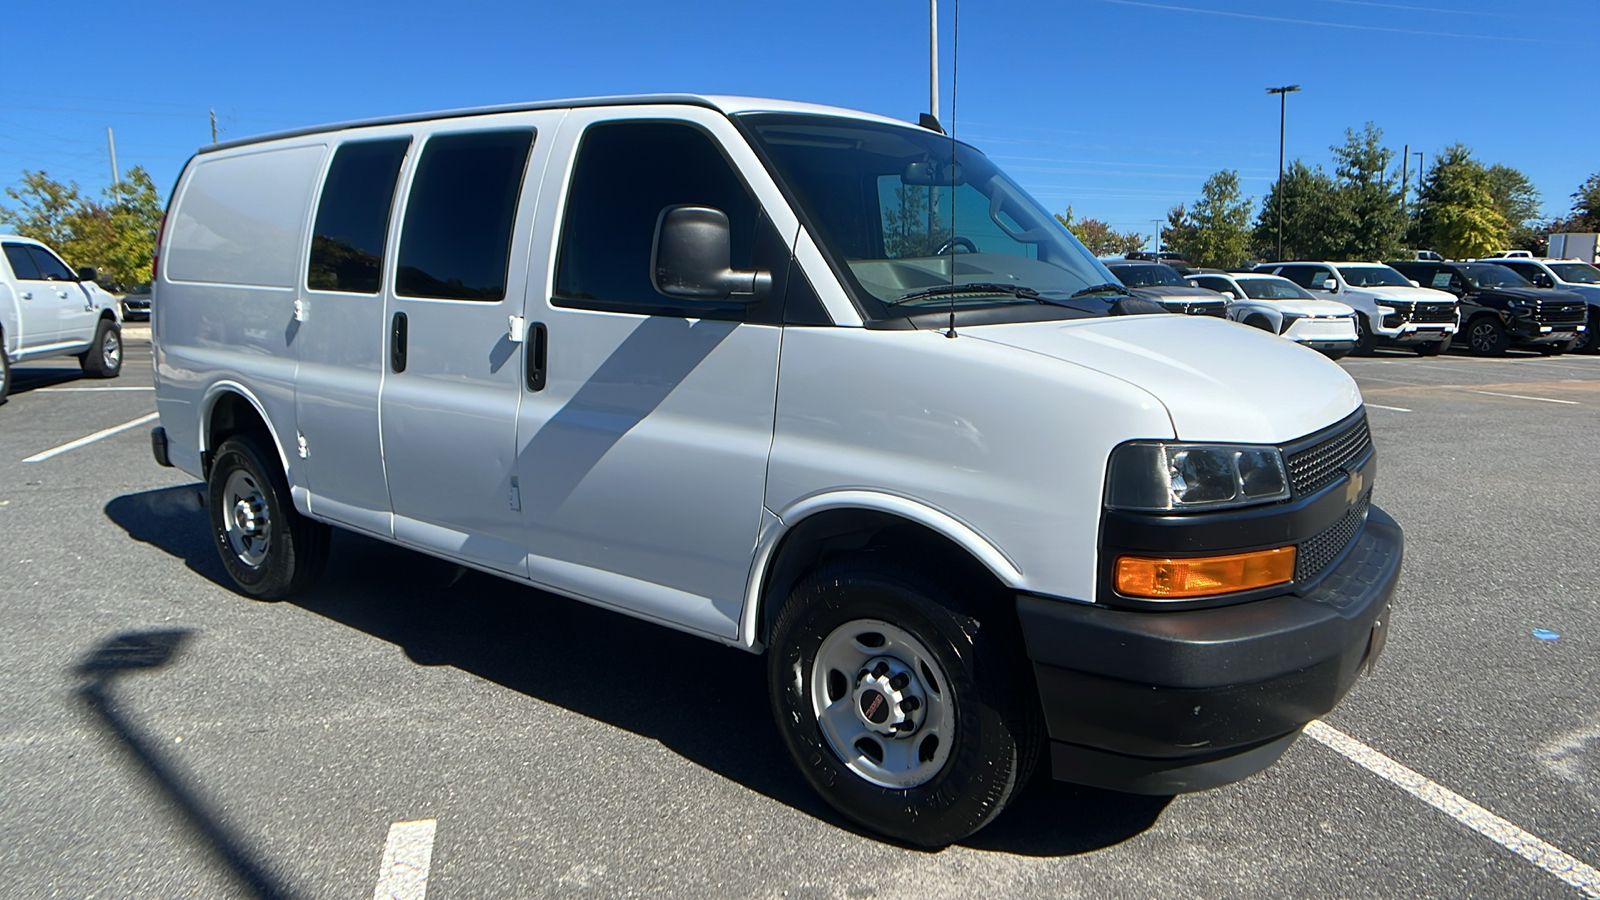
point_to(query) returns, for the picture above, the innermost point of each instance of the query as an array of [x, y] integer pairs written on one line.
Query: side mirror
[[88, 273], [690, 258], [1331, 286], [1415, 283], [1230, 295]]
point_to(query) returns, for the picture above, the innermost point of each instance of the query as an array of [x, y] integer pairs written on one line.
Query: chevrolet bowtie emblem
[[1352, 488]]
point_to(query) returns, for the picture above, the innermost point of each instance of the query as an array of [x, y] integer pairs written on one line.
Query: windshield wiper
[[1108, 287], [976, 287]]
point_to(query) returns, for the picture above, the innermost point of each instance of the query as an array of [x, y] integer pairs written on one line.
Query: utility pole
[[111, 142], [213, 126], [1418, 155], [933, 58], [1405, 177], [1277, 193]]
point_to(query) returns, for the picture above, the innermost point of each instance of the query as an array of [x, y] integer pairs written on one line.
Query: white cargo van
[[803, 381]]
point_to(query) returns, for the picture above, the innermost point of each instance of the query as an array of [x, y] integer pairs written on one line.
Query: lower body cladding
[[1164, 702]]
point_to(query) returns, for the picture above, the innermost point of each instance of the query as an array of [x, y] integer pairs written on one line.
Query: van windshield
[[904, 220]]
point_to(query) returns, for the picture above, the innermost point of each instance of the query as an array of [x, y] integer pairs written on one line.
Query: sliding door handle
[[536, 348], [397, 343]]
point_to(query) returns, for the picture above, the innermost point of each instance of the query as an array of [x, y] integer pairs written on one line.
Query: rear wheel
[[911, 711], [1486, 337], [268, 548], [103, 359], [5, 370]]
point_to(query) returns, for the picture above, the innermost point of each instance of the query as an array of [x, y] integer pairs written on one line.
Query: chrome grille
[[1314, 555], [1316, 467]]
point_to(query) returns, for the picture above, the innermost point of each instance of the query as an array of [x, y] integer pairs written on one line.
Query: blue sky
[[1116, 107]]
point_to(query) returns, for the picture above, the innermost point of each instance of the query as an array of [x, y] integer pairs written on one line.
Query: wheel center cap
[[244, 517], [888, 697]]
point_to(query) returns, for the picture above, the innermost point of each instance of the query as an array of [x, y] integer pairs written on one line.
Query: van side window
[[353, 217], [22, 265], [628, 172], [455, 243]]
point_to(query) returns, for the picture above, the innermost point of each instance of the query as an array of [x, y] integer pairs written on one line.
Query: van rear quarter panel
[[1010, 443], [233, 254]]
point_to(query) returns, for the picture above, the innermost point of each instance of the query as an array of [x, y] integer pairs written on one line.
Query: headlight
[[1161, 476]]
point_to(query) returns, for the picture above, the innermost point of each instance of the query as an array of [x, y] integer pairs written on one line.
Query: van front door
[[453, 379], [644, 437]]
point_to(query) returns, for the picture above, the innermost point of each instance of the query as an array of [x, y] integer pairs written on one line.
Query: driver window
[[50, 267]]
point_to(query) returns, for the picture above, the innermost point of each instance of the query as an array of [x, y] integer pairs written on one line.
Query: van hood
[[1219, 380]]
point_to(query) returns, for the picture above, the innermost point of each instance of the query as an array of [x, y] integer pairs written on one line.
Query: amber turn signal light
[[1205, 576]]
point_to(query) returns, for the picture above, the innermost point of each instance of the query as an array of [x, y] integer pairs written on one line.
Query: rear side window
[[353, 217], [241, 219], [22, 264], [456, 240]]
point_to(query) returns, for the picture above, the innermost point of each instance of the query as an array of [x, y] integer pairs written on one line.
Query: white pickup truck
[[48, 310]]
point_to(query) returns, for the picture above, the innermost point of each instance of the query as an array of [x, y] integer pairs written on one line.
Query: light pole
[[1158, 237], [1283, 102]]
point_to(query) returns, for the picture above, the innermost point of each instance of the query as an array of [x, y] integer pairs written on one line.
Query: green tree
[[1456, 212], [116, 236], [1371, 223], [1314, 227], [1585, 215], [1178, 233], [1518, 202], [1099, 237], [1217, 231]]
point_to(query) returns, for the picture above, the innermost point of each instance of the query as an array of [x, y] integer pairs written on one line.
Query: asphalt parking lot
[[411, 721]]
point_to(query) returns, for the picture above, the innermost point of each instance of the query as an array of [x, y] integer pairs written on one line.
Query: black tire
[[5, 370], [269, 549], [1366, 341], [103, 359], [1590, 342], [1486, 337], [987, 702], [1432, 349]]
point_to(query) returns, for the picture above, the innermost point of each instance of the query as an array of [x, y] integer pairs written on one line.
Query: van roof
[[728, 105]]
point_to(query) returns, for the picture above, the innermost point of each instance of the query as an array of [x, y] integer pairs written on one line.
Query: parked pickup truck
[[46, 309]]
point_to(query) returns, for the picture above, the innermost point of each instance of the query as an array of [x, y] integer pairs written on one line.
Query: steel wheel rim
[[110, 349], [245, 518], [856, 677]]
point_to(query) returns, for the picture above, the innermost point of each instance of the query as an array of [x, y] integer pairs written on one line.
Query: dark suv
[[1501, 309], [1162, 284]]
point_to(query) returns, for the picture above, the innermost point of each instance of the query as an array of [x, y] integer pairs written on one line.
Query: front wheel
[[1486, 337], [1366, 342], [5, 370], [1590, 342], [269, 549], [911, 713], [103, 359]]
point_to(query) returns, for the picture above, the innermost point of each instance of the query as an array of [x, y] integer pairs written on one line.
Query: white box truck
[[1585, 247]]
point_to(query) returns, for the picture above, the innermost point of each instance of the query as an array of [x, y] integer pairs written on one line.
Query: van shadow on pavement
[[706, 702]]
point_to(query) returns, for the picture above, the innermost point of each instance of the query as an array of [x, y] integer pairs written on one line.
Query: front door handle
[[397, 343], [27, 295], [536, 348]]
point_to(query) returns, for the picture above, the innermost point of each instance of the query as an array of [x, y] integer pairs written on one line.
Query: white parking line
[[1523, 397], [1529, 846], [1390, 408], [89, 439], [81, 390], [407, 853]]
